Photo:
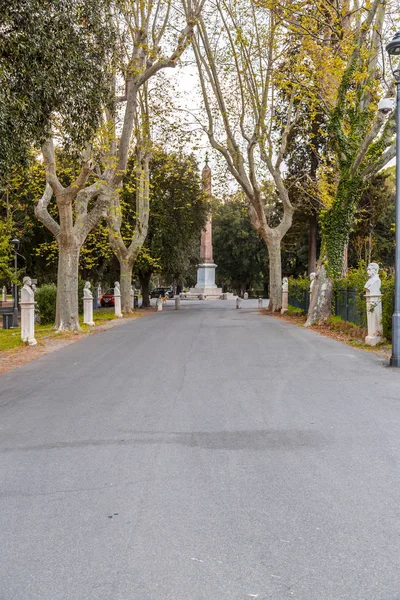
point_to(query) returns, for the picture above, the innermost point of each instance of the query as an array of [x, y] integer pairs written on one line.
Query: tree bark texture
[[126, 268], [67, 312], [321, 298], [275, 275], [145, 284]]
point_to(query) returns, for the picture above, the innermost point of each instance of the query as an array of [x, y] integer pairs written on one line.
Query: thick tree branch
[[42, 214], [49, 157]]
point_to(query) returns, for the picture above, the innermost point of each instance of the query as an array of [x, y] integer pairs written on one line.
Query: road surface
[[202, 454]]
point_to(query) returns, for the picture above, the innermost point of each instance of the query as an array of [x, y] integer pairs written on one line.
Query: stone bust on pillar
[[373, 298], [28, 312], [86, 291], [27, 286], [117, 289], [373, 285], [285, 295]]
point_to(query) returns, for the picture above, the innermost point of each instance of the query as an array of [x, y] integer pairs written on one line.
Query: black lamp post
[[393, 49], [15, 242]]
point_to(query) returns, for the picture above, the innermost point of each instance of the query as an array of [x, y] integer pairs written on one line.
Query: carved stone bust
[[86, 290], [117, 289], [373, 285], [27, 292], [285, 284]]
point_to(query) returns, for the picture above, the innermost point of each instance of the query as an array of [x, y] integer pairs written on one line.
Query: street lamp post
[[15, 243], [393, 49]]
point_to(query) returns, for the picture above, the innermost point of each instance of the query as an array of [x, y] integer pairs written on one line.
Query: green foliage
[[239, 252], [387, 305], [178, 211], [45, 297], [53, 65], [293, 310], [81, 285], [6, 272]]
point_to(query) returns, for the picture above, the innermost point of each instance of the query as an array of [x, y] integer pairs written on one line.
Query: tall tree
[[238, 49], [85, 201], [240, 253], [178, 211], [345, 71]]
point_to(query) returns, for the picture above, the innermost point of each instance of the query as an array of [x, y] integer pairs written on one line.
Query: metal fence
[[346, 303], [299, 297], [347, 306]]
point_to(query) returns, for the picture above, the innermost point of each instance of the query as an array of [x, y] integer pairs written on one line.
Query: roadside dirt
[[353, 337]]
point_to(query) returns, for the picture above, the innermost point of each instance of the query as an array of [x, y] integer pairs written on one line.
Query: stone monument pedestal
[[205, 285]]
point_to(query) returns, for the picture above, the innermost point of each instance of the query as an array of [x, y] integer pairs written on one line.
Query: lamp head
[[393, 47], [15, 242]]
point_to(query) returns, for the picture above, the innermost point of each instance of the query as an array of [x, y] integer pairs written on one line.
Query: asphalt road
[[206, 454]]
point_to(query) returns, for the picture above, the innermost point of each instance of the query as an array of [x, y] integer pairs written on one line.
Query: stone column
[[4, 294], [117, 299], [159, 305], [373, 298], [87, 305], [238, 302], [285, 295], [28, 313], [206, 268], [177, 302], [132, 297], [260, 303]]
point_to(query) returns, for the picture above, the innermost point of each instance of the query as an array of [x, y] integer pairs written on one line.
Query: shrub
[[387, 305], [45, 298]]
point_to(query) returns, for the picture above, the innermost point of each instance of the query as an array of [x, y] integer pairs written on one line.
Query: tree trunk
[[312, 244], [126, 268], [145, 283], [67, 312], [275, 275], [321, 298]]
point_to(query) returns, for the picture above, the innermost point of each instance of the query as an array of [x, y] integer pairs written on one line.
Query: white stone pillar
[[177, 302], [87, 305], [238, 302], [374, 319], [159, 305], [260, 303], [373, 298], [285, 295], [132, 297], [117, 300], [28, 313], [4, 293], [245, 296], [88, 311]]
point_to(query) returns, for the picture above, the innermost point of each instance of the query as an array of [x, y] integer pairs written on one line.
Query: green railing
[[299, 297]]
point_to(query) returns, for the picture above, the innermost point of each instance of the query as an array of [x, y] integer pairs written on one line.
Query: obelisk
[[206, 269]]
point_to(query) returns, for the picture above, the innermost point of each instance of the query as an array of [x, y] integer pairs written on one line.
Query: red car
[[107, 299]]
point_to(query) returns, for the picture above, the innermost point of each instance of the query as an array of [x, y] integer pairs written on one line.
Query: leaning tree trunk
[[275, 275], [321, 298], [145, 285], [126, 268], [67, 312]]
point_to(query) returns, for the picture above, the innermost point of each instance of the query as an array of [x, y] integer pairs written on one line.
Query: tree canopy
[[54, 71]]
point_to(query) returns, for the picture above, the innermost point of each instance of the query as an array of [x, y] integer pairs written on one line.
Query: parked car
[[107, 299], [162, 291]]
